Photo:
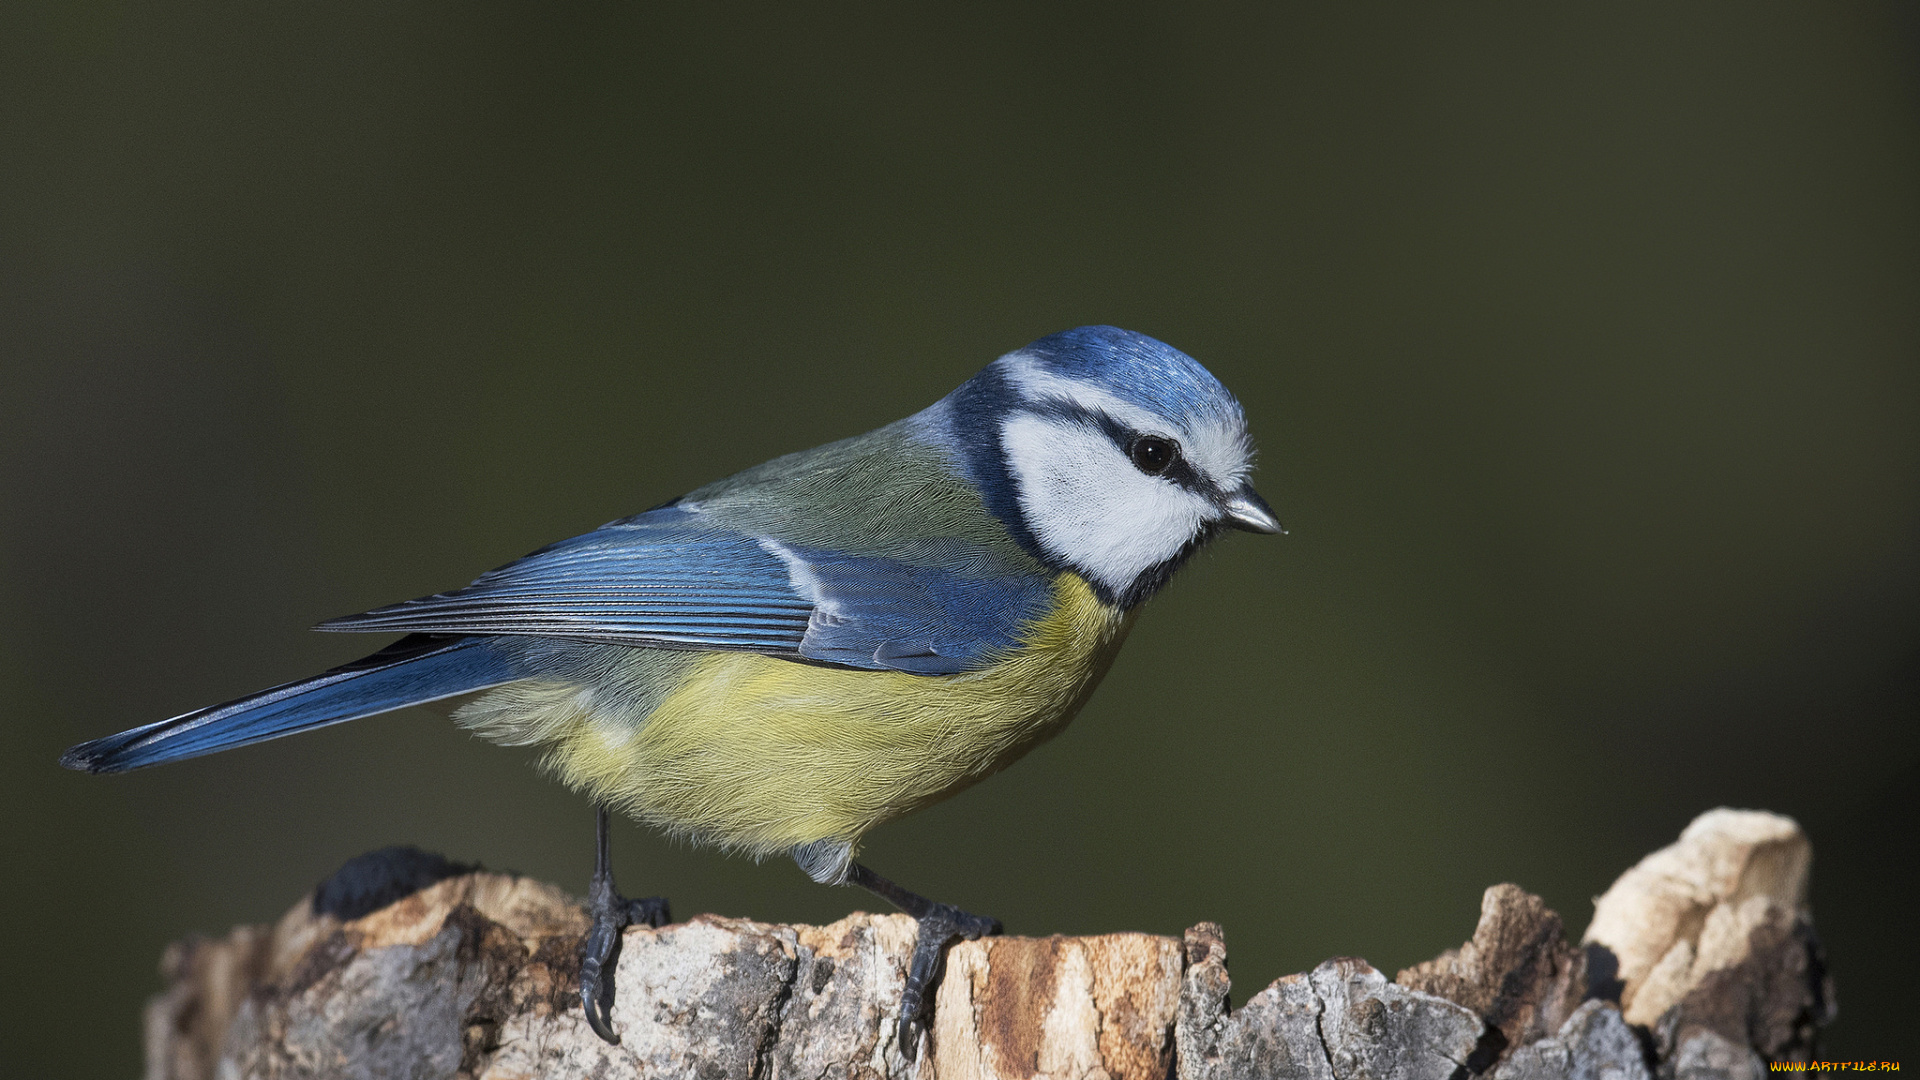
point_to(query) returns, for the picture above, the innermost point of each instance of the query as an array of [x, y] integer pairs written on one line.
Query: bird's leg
[[611, 913], [940, 926]]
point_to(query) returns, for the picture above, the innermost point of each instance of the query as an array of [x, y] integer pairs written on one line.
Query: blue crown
[[1135, 368]]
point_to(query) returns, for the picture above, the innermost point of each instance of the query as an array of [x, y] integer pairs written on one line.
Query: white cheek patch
[[1088, 505]]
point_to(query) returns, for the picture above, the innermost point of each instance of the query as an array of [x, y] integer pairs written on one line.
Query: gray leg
[[611, 913], [940, 926]]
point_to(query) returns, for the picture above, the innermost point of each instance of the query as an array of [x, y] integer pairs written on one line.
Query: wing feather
[[668, 579]]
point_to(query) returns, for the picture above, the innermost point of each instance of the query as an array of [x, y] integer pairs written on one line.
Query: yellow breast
[[760, 754]]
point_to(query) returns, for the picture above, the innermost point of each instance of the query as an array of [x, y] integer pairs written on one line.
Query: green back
[[890, 493]]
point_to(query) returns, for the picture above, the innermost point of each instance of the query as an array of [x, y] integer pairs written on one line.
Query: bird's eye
[[1152, 454]]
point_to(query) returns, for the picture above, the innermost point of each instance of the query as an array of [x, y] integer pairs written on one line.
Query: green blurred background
[[1579, 344]]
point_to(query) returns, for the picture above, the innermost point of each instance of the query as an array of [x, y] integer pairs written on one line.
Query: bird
[[778, 662]]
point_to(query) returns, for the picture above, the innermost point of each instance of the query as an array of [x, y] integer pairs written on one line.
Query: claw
[[940, 925], [611, 914], [939, 928], [592, 1000]]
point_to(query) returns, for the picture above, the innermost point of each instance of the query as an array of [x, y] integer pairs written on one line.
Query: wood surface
[[1699, 963]]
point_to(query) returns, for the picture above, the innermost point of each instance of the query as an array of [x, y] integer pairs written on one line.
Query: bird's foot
[[611, 914], [939, 928]]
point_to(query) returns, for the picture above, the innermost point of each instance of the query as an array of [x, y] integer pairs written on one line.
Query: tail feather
[[413, 670]]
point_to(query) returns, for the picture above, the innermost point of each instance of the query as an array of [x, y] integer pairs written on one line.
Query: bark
[[1700, 963]]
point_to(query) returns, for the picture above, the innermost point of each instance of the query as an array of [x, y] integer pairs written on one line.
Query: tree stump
[[1700, 963]]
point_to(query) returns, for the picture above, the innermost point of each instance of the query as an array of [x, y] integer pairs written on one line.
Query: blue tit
[[783, 659]]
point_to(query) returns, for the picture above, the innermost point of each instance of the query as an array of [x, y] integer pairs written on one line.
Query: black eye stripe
[[1181, 471], [1057, 409]]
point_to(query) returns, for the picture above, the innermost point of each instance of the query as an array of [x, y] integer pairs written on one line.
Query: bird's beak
[[1247, 510]]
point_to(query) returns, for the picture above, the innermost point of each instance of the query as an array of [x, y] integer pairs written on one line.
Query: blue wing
[[668, 579]]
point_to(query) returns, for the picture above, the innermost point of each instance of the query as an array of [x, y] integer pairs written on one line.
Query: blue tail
[[415, 669]]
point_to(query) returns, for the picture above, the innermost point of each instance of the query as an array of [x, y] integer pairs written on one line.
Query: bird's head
[[1110, 454]]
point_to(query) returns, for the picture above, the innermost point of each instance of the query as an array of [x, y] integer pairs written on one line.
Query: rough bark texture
[[1517, 972], [1715, 949], [1706, 945], [1342, 1020]]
